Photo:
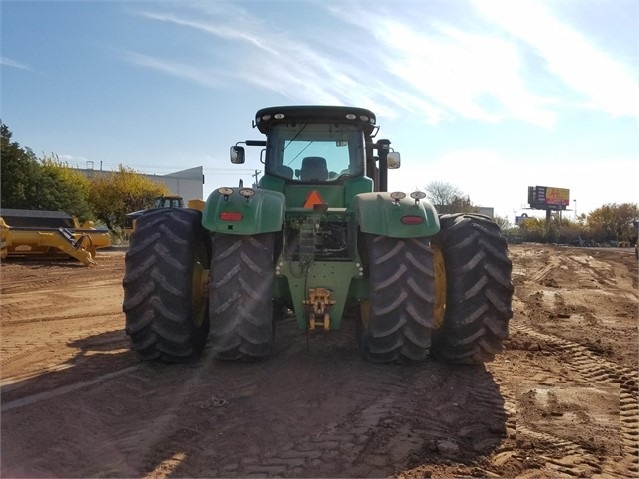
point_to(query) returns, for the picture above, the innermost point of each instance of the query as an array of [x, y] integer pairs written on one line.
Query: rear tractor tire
[[165, 285], [395, 324], [241, 296], [479, 290]]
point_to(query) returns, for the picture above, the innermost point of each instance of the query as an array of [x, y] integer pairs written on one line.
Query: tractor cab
[[324, 151], [315, 153], [168, 201]]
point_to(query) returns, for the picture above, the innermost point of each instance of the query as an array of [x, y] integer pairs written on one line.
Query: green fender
[[377, 213], [234, 214]]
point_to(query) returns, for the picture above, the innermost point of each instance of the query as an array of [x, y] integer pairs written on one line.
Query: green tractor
[[319, 235]]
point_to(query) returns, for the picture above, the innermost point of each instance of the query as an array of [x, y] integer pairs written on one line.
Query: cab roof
[[361, 117]]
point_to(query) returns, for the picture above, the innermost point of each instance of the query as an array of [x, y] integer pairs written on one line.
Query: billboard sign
[[548, 197]]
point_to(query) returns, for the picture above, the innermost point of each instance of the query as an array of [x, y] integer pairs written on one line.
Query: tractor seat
[[314, 169], [284, 171]]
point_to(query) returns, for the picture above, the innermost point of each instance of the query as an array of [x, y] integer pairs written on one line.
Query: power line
[[159, 169]]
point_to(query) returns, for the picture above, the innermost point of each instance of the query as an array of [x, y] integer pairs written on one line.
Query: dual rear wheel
[[165, 278], [479, 290], [449, 296], [171, 302], [396, 323]]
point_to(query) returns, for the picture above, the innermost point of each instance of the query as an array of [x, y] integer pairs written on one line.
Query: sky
[[488, 96]]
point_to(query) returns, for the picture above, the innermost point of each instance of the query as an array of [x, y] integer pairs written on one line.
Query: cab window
[[315, 153]]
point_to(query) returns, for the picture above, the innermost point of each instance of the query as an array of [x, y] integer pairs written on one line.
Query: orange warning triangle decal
[[313, 198]]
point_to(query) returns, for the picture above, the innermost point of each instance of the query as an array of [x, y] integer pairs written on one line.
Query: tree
[[460, 204], [441, 193], [503, 222], [448, 198], [19, 173], [533, 229], [614, 222], [64, 189], [114, 194], [47, 184]]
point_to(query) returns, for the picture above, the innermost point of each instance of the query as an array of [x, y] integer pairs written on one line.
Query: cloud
[[584, 67], [454, 72], [395, 61], [198, 75], [469, 75], [275, 61], [220, 29], [7, 62]]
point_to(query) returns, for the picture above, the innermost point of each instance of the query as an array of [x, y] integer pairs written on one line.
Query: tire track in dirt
[[48, 312], [19, 322], [18, 348], [234, 392], [538, 276], [586, 271], [354, 419], [574, 461], [29, 285], [47, 395], [596, 370], [530, 448]]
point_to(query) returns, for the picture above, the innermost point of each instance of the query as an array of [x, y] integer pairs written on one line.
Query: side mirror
[[237, 155], [393, 160]]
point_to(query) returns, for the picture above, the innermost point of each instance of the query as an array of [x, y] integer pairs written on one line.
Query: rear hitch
[[318, 306]]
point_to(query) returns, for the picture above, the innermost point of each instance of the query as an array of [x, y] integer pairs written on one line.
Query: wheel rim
[[440, 286], [200, 283], [364, 313]]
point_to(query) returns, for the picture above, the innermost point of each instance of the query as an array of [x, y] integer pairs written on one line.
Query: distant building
[[486, 210], [185, 183]]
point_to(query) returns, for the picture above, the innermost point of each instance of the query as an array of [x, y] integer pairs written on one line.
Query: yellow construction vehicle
[[49, 235]]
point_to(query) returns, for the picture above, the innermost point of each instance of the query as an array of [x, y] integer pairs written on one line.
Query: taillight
[[231, 216], [412, 220]]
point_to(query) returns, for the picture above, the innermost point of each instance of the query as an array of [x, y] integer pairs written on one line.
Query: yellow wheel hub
[[439, 267], [200, 286]]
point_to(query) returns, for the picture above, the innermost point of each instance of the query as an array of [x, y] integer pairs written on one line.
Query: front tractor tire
[[395, 324], [479, 290], [165, 285], [241, 296]]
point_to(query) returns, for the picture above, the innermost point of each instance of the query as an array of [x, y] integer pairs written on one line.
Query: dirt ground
[[561, 401]]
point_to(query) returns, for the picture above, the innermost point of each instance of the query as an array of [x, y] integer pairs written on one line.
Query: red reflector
[[230, 216], [412, 220]]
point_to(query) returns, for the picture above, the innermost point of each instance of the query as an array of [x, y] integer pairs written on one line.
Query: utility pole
[[256, 176]]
